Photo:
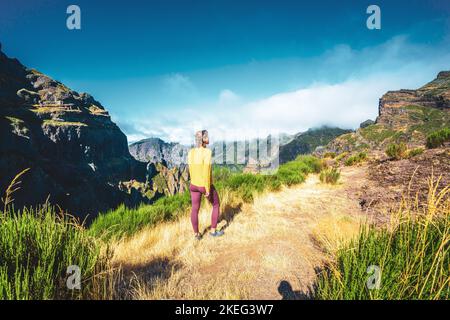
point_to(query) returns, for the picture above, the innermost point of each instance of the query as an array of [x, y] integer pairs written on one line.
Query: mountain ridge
[[75, 153], [405, 115]]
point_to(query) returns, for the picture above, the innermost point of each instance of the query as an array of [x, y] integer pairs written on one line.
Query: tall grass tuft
[[412, 255], [397, 151], [356, 158], [330, 175], [13, 187], [36, 248]]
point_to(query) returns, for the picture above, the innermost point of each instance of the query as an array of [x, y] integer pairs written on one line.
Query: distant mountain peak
[[443, 75]]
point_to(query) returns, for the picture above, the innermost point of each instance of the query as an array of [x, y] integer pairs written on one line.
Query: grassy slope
[[416, 124], [307, 142]]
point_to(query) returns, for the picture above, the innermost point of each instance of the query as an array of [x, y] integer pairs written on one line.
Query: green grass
[[427, 119], [356, 158], [438, 138], [15, 121], [55, 123], [413, 258], [397, 151], [125, 221], [330, 155], [330, 175], [36, 248], [53, 109], [341, 156], [414, 152], [95, 110], [377, 133]]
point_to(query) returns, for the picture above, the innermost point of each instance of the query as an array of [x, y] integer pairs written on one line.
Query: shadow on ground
[[228, 214], [134, 275], [287, 293]]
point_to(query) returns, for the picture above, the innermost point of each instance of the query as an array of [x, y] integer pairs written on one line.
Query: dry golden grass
[[273, 239]]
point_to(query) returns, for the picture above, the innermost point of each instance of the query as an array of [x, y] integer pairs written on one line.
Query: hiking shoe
[[216, 233]]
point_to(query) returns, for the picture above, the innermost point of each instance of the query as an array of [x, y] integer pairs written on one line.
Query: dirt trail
[[271, 248]]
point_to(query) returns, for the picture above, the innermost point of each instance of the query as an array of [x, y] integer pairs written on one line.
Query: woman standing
[[200, 167]]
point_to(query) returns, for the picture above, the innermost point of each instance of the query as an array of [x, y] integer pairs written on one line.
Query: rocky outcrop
[[77, 156], [404, 116], [393, 105]]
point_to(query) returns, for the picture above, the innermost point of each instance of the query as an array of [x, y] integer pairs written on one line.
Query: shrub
[[341, 156], [412, 255], [438, 138], [414, 152], [330, 175], [331, 155], [355, 159], [396, 151]]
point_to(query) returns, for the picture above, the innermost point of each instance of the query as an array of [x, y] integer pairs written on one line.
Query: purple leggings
[[196, 198]]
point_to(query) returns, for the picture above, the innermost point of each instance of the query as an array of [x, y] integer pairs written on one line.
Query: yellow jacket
[[199, 162]]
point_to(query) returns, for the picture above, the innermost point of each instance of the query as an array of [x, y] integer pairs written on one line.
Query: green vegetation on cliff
[[438, 138], [307, 142], [56, 123], [412, 126]]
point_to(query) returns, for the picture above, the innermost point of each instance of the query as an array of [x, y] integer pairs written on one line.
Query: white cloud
[[393, 65]]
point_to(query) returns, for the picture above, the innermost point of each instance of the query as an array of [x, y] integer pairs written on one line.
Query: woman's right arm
[[207, 166]]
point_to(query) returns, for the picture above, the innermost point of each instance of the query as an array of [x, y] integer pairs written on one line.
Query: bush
[[396, 151], [438, 138], [355, 159], [341, 156], [414, 152], [37, 247], [331, 155], [330, 175], [412, 255]]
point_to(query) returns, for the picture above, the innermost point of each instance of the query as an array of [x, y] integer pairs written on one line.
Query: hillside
[[307, 142], [404, 116], [77, 156]]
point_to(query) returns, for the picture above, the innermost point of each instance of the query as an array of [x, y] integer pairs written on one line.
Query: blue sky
[[167, 68]]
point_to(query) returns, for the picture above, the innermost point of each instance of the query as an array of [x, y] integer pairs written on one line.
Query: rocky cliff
[[77, 156], [404, 116], [155, 150]]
